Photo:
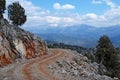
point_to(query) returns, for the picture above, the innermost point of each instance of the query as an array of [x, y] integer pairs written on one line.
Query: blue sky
[[63, 13], [81, 6]]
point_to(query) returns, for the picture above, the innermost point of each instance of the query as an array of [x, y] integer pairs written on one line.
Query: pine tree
[[107, 55], [16, 14], [2, 7]]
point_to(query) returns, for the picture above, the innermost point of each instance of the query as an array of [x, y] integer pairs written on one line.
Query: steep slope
[[17, 43]]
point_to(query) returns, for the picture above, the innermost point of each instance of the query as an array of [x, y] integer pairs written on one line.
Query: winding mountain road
[[37, 69]]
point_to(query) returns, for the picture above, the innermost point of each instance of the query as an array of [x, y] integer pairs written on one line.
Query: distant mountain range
[[82, 35]]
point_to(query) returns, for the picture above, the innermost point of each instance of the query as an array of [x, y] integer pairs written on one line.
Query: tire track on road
[[44, 63], [39, 64]]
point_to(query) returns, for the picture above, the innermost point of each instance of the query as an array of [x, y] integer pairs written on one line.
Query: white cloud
[[56, 6], [34, 13], [91, 16], [53, 19], [38, 17], [64, 7], [59, 21], [67, 6], [110, 3], [68, 20], [109, 18], [97, 2]]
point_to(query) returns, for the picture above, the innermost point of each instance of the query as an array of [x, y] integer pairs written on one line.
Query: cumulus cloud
[[109, 18], [56, 6], [64, 7], [97, 2], [91, 16], [110, 3], [59, 21], [53, 19], [34, 13], [38, 17], [68, 20]]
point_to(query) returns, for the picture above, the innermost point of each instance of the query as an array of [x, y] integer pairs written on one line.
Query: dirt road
[[37, 69]]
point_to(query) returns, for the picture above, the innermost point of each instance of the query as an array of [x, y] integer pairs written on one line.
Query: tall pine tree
[[2, 7], [107, 55], [16, 14]]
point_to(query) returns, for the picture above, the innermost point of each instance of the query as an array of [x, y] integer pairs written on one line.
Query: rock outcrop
[[75, 66], [17, 43]]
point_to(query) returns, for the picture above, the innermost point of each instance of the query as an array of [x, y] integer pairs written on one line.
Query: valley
[[81, 35]]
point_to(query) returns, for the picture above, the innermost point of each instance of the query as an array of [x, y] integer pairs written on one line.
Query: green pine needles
[[2, 7], [107, 55], [16, 13]]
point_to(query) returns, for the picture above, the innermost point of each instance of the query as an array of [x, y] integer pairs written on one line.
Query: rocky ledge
[[16, 43]]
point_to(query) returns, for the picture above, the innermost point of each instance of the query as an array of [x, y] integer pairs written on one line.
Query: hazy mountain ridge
[[82, 35]]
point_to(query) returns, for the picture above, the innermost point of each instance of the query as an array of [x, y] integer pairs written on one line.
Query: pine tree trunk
[[1, 15]]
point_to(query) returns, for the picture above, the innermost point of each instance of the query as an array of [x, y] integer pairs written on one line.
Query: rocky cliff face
[[17, 43]]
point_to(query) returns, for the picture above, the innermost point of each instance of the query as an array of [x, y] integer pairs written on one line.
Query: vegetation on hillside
[[107, 55], [16, 13], [66, 46], [104, 54], [2, 7]]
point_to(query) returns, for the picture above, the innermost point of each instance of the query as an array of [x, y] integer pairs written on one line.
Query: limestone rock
[[17, 43], [77, 67]]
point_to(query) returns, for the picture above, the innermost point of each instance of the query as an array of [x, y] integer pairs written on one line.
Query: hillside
[[16, 43]]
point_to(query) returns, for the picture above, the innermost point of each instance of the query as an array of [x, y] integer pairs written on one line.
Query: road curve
[[57, 55], [40, 66]]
